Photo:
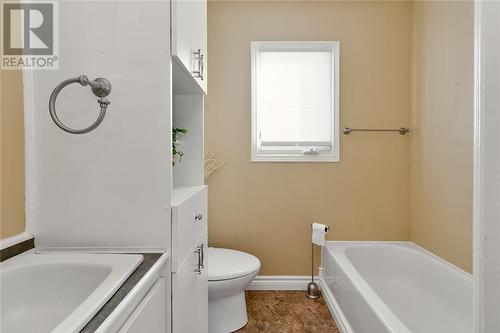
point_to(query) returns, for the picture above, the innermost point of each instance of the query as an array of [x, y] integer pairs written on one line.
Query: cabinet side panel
[[111, 187]]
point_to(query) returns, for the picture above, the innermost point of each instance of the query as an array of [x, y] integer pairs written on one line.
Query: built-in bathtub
[[397, 287]]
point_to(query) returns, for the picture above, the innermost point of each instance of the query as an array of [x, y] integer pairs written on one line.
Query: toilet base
[[227, 314]]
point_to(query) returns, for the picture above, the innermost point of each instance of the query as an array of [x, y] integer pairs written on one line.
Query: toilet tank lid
[[224, 264]]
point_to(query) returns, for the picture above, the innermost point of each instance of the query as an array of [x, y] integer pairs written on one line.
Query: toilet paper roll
[[318, 233]]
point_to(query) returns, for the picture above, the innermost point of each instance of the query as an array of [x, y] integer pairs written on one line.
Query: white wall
[[487, 169], [111, 187]]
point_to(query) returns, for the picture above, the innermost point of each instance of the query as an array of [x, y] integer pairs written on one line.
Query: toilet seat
[[225, 264]]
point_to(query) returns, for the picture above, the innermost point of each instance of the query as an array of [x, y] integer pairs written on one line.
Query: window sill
[[298, 159]]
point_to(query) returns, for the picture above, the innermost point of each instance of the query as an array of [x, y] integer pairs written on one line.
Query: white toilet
[[229, 273]]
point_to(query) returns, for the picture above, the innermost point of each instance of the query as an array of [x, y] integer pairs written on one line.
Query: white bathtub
[[59, 292], [397, 287]]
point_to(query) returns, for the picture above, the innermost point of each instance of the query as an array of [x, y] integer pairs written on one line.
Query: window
[[295, 101]]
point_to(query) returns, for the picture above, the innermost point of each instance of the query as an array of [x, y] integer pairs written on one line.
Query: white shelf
[[182, 194]]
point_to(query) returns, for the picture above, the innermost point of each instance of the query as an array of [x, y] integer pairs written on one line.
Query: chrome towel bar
[[401, 130], [100, 87]]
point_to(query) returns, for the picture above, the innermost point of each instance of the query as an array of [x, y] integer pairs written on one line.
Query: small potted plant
[[176, 153]]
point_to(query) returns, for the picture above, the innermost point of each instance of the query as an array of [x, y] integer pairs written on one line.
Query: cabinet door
[[189, 38], [202, 286], [190, 292], [149, 316], [184, 296]]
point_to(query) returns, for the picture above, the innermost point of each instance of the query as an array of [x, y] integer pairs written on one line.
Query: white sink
[[59, 292]]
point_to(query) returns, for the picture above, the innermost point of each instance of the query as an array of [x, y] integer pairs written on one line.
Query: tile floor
[[287, 311]]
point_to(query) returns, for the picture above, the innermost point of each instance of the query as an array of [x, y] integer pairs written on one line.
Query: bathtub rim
[[379, 308], [407, 244]]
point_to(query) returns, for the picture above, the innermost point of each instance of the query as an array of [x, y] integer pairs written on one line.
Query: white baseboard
[[281, 282]]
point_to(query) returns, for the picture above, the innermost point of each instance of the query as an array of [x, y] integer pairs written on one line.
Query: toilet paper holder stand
[[312, 287]]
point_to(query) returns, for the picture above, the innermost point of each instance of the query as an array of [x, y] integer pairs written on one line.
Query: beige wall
[[266, 208], [442, 109], [12, 153]]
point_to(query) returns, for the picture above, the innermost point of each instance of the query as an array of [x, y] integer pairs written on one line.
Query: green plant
[[177, 154]]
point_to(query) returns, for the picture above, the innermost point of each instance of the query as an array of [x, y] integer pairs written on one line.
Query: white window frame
[[278, 152]]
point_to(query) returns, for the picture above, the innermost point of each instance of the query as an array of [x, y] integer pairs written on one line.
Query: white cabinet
[[189, 196], [189, 39], [190, 291], [149, 316], [189, 219], [189, 260]]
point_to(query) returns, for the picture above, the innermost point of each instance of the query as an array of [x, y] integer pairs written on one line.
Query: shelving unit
[[189, 194], [189, 218]]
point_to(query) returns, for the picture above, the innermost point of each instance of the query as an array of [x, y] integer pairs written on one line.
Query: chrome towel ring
[[100, 87]]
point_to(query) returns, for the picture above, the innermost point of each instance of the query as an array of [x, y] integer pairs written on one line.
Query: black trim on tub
[[149, 259], [16, 249]]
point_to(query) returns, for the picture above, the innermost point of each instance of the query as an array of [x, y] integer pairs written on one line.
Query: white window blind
[[295, 101]]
